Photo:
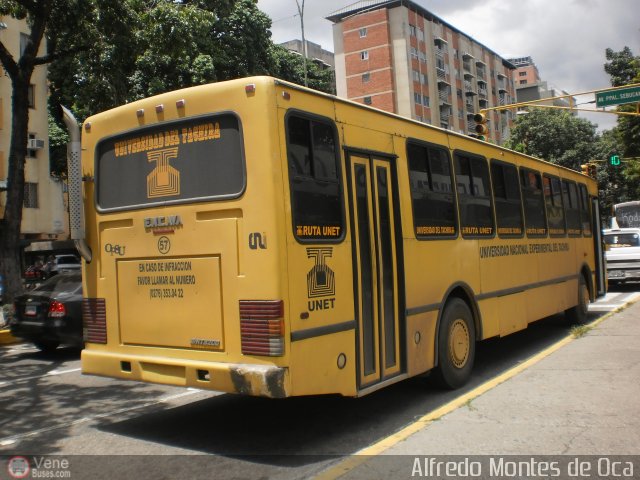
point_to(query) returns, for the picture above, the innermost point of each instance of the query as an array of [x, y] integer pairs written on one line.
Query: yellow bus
[[257, 237]]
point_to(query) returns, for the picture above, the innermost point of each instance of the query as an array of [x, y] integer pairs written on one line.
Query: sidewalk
[[582, 399]]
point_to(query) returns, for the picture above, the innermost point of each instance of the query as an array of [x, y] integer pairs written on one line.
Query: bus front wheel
[[456, 345]]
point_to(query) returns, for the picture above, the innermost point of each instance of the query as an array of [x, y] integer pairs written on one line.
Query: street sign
[[617, 96]]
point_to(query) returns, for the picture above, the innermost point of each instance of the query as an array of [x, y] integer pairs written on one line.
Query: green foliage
[[139, 48], [623, 185], [554, 135], [58, 139], [290, 66]]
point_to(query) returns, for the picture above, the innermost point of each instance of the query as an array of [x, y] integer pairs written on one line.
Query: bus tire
[[456, 345], [579, 314]]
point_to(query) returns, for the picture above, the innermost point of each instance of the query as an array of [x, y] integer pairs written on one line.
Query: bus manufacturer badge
[[320, 280], [161, 225]]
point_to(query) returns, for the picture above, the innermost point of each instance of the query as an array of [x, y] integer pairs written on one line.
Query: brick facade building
[[399, 57]]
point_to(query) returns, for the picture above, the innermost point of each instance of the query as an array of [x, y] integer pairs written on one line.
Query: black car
[[51, 314]]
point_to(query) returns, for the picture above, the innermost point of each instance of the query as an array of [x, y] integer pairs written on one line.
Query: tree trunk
[[10, 225]]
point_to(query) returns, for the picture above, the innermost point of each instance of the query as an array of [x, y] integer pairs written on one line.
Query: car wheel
[[46, 346], [456, 345]]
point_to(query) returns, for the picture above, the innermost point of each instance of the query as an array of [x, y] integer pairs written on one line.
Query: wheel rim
[[459, 343]]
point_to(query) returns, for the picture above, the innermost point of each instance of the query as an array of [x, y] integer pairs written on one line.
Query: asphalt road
[[116, 429]]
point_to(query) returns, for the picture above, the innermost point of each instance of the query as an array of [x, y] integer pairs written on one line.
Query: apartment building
[[530, 87], [323, 58], [44, 216], [399, 57]]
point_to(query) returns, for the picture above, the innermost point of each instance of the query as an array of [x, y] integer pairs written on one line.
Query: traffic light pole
[[535, 103]]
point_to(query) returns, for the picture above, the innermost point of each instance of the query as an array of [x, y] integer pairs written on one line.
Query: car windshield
[[61, 283], [622, 240]]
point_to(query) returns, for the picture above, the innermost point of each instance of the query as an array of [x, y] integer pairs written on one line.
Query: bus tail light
[[262, 327], [94, 319]]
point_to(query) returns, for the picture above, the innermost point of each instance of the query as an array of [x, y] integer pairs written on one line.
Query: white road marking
[[51, 373]]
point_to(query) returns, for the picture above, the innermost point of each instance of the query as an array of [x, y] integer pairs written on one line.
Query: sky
[[566, 39]]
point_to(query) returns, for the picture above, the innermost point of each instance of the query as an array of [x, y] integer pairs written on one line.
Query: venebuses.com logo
[[38, 467]]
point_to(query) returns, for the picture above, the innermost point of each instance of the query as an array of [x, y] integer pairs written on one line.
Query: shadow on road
[[299, 431]]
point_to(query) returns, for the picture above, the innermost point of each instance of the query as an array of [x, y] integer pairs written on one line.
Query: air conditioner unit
[[34, 143]]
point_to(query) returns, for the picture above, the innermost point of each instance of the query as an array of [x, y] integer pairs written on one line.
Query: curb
[[6, 338], [364, 455]]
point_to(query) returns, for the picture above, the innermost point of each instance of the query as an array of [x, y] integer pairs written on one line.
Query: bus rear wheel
[[579, 314], [456, 345]]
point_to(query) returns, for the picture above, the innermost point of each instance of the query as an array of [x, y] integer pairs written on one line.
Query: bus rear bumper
[[248, 379]]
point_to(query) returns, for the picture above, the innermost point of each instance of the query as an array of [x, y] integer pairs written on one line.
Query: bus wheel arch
[[456, 335]]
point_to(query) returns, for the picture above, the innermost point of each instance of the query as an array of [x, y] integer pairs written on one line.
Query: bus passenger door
[[375, 253]]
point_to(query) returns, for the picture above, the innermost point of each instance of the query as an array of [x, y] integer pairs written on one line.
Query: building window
[[420, 34], [367, 100], [417, 98], [523, 82], [364, 55], [522, 74], [416, 76], [414, 52], [423, 79], [366, 77], [425, 100], [32, 152], [363, 32], [412, 30], [31, 96], [30, 195]]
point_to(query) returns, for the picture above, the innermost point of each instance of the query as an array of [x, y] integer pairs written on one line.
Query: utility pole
[[304, 42]]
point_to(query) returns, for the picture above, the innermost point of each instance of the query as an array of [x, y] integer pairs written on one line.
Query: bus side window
[[508, 202], [476, 216], [534, 216], [432, 197], [314, 178], [571, 208], [585, 210], [555, 208]]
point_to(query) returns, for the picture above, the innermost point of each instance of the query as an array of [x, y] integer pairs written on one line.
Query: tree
[[624, 69], [556, 136], [289, 66], [42, 16], [104, 53]]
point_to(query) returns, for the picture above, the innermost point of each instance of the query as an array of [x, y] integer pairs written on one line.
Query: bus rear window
[[189, 160]]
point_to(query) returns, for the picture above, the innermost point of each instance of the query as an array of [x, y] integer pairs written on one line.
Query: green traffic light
[[614, 160]]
